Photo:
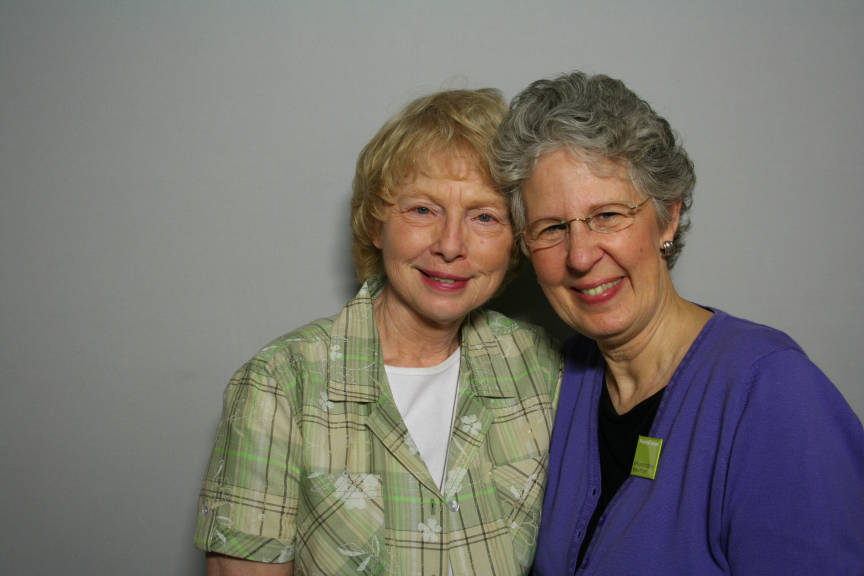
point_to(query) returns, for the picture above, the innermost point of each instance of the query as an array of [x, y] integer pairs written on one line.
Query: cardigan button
[[454, 506]]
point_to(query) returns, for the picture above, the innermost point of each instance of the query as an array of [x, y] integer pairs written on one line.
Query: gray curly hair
[[597, 117]]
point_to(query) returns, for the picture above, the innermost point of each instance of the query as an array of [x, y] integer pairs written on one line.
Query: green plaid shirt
[[313, 463]]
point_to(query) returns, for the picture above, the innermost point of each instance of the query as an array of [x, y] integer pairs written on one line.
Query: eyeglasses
[[607, 219]]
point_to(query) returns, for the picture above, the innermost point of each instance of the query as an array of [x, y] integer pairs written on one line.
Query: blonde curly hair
[[458, 122]]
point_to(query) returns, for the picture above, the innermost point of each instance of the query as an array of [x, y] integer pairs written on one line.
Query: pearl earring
[[667, 248]]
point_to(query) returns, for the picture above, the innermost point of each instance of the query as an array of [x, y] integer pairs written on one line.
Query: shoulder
[[491, 325], [749, 340], [293, 351], [316, 339], [739, 351], [497, 344], [770, 370], [290, 367], [790, 451], [312, 334], [793, 453], [503, 325]]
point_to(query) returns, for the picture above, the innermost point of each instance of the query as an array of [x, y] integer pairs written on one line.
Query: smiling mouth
[[442, 279], [597, 290]]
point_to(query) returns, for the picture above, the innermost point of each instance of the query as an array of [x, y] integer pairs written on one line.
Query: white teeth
[[597, 290], [444, 280]]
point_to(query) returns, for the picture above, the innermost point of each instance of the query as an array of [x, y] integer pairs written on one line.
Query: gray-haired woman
[[686, 441]]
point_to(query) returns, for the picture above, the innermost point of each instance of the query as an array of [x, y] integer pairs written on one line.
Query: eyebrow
[[591, 210], [488, 199]]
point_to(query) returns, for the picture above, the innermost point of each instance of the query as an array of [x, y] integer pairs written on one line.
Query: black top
[[618, 435]]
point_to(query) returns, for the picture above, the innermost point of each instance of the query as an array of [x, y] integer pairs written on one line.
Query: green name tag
[[647, 456]]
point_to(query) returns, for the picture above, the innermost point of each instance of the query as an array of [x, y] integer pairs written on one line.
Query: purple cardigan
[[761, 470]]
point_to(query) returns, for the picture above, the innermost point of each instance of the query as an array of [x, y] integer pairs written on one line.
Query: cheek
[[648, 254], [494, 254], [549, 269], [637, 249], [404, 242]]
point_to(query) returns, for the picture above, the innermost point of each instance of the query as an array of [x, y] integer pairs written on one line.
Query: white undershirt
[[426, 398]]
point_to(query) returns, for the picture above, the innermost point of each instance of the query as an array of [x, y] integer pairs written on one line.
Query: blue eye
[[554, 228], [423, 210], [608, 220], [485, 217]]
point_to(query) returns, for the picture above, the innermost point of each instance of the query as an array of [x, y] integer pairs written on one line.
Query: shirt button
[[454, 506]]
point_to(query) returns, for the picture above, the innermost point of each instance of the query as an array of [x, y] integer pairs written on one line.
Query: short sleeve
[[248, 502], [794, 500]]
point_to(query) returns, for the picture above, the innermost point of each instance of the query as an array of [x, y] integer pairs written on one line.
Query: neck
[[407, 340], [640, 367]]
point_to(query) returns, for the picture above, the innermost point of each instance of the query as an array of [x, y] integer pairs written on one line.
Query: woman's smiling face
[[609, 287], [446, 242]]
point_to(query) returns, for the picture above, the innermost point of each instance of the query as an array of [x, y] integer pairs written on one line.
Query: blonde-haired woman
[[409, 433]]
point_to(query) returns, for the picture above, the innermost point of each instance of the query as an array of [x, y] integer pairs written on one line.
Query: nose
[[583, 250], [450, 244]]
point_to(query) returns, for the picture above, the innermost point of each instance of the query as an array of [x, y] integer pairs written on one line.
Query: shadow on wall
[[523, 299]]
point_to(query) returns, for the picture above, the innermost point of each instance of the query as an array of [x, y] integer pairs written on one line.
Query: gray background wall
[[174, 185]]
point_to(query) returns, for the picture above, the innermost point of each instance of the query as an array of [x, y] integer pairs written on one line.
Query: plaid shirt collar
[[355, 327]]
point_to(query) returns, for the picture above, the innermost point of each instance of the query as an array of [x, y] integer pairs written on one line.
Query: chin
[[596, 330], [444, 316]]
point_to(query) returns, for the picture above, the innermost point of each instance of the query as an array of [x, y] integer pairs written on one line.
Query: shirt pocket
[[520, 429], [341, 524], [519, 488]]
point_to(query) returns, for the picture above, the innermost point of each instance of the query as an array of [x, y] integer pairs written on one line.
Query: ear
[[674, 210], [376, 236]]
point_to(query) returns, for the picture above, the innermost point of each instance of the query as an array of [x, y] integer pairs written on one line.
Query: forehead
[[442, 169], [564, 177], [454, 164]]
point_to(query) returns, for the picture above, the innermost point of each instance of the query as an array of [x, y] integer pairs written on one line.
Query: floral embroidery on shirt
[[470, 424], [503, 326], [352, 550], [356, 490], [526, 487], [286, 554], [335, 468], [430, 529], [336, 352], [324, 402]]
